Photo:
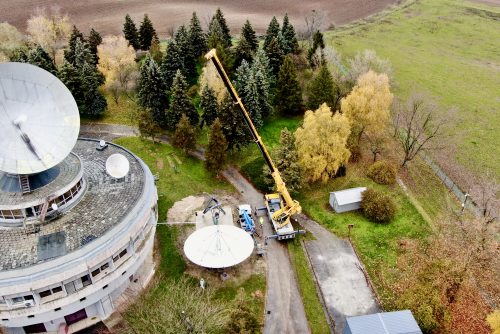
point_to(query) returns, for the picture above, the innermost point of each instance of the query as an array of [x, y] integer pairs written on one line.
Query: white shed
[[346, 200]]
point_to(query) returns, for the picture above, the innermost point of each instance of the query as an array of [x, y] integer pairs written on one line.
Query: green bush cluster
[[377, 206], [383, 172]]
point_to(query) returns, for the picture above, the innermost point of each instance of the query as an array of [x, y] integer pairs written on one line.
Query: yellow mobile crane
[[280, 206]]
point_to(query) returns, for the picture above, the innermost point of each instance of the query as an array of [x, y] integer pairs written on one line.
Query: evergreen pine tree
[[155, 50], [70, 76], [215, 155], [197, 38], [291, 45], [130, 32], [248, 34], [247, 45], [185, 135], [215, 37], [171, 63], [233, 124], [146, 33], [288, 99], [186, 53], [39, 57], [180, 103], [94, 103], [226, 34], [272, 32], [94, 40], [151, 91], [287, 162], [321, 90], [83, 56], [262, 76], [275, 55], [69, 53], [318, 45], [246, 85], [209, 106], [261, 61]]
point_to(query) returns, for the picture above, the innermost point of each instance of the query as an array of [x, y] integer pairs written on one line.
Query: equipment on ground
[[218, 246], [39, 119], [280, 206], [246, 221]]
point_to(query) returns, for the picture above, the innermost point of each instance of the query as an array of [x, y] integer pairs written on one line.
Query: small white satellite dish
[[54, 206], [102, 143], [117, 166], [218, 246]]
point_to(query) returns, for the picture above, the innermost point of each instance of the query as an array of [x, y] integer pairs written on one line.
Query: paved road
[[339, 275], [284, 309]]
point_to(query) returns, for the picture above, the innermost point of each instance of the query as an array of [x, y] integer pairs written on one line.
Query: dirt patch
[[183, 210], [159, 164], [107, 16]]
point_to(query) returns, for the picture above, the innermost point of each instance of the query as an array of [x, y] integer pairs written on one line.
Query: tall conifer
[[209, 106], [130, 32], [215, 155], [151, 91], [288, 99], [146, 33], [321, 90], [197, 37], [180, 103]]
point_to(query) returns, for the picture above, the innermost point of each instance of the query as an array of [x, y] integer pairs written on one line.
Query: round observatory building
[[77, 216]]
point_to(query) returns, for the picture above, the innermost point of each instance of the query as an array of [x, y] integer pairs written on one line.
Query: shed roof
[[347, 196], [398, 322]]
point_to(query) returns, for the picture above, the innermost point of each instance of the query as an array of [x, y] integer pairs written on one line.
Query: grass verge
[[314, 309]]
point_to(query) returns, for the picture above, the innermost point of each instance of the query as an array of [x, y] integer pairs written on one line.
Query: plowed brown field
[[107, 16]]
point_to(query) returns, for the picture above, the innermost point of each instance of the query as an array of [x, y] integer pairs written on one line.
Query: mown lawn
[[447, 49]]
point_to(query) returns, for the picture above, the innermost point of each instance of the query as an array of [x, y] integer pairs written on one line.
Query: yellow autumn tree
[[10, 39], [117, 63], [322, 143], [367, 106], [50, 31], [493, 320]]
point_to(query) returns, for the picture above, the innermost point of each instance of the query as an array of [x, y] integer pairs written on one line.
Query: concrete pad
[[204, 220]]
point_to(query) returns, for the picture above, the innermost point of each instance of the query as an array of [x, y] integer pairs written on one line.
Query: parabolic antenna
[[218, 246], [39, 120], [117, 165]]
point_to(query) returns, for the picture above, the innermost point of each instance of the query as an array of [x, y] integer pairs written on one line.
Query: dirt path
[[339, 275]]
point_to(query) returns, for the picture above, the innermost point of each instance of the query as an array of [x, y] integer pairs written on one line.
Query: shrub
[[377, 207], [383, 172]]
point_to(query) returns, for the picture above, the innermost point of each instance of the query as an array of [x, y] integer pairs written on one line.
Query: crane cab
[[274, 203]]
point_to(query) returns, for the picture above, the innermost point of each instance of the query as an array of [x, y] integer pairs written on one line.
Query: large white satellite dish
[[39, 119], [218, 246], [117, 165]]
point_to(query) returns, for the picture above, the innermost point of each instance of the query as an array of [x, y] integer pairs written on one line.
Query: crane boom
[[291, 207]]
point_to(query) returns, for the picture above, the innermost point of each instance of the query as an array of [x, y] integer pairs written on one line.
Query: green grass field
[[448, 49]]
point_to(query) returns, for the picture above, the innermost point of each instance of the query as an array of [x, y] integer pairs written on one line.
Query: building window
[[120, 255], [49, 292], [36, 328], [2, 301], [96, 272], [22, 299], [77, 284]]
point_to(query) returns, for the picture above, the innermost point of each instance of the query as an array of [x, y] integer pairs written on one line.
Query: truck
[[280, 205]]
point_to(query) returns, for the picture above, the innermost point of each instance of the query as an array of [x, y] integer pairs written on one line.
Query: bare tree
[[418, 125], [484, 195], [314, 22]]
